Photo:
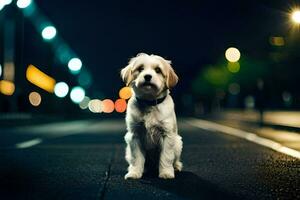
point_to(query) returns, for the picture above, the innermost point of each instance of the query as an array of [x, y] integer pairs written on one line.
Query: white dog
[[150, 118]]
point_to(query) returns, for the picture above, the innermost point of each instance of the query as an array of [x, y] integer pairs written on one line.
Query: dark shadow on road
[[187, 185]]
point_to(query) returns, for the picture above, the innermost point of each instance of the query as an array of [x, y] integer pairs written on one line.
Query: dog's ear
[[172, 77], [126, 74]]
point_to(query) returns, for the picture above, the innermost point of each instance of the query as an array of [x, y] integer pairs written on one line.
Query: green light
[[233, 67]]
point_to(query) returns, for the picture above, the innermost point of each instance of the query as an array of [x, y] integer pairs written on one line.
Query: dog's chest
[[150, 133]]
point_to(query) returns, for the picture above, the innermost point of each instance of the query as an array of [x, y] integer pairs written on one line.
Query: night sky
[[105, 34]]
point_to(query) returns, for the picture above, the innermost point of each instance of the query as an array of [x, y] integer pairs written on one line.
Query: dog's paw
[[133, 175], [178, 166], [166, 175]]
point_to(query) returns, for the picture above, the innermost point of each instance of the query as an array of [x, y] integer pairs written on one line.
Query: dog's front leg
[[134, 157], [167, 156]]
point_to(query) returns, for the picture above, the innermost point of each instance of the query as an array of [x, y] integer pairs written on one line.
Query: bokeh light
[[0, 70], [40, 79], [3, 3], [249, 102], [75, 65], [296, 16], [108, 106], [234, 88], [77, 94], [7, 87], [49, 32], [23, 3], [35, 98], [233, 67], [287, 98], [84, 104], [120, 105], [95, 106], [125, 93], [232, 54], [277, 41], [61, 89]]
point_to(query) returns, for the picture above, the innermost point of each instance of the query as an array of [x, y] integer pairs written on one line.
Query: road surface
[[85, 160]]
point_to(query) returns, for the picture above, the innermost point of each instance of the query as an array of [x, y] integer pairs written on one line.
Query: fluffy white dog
[[150, 118]]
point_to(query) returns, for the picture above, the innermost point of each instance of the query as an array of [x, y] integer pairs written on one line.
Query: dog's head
[[149, 75]]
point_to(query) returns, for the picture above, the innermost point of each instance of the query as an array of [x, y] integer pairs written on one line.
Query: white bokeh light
[[232, 54], [23, 3], [95, 106], [49, 32], [61, 89], [296, 16], [75, 64], [77, 94]]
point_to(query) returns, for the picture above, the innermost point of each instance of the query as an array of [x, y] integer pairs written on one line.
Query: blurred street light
[[3, 3], [23, 3], [7, 87], [233, 67], [61, 89], [0, 70], [120, 105], [232, 54], [95, 106], [84, 104], [35, 98], [77, 94], [296, 16], [49, 32], [40, 79], [125, 93], [108, 106], [75, 65]]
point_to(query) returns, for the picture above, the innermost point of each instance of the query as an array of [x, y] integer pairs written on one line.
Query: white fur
[[153, 127]]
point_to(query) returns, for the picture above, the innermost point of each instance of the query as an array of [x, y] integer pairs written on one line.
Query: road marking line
[[29, 143], [212, 126]]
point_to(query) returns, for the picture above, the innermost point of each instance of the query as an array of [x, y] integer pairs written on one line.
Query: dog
[[152, 133]]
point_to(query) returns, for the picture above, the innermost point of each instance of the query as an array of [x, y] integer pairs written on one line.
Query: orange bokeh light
[[125, 93], [120, 105], [108, 106]]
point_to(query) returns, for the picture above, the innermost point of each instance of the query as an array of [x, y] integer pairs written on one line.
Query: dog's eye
[[140, 68], [157, 70]]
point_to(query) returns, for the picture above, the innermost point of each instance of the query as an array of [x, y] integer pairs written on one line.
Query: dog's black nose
[[147, 77]]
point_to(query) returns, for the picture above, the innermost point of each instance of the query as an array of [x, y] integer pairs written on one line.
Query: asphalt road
[[85, 160]]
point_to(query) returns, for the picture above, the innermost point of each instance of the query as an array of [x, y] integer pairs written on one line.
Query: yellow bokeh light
[[233, 67], [232, 54], [7, 87], [125, 93], [40, 79], [35, 98], [277, 41], [296, 16]]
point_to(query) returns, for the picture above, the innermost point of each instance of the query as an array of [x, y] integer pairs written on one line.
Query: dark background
[[193, 34]]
